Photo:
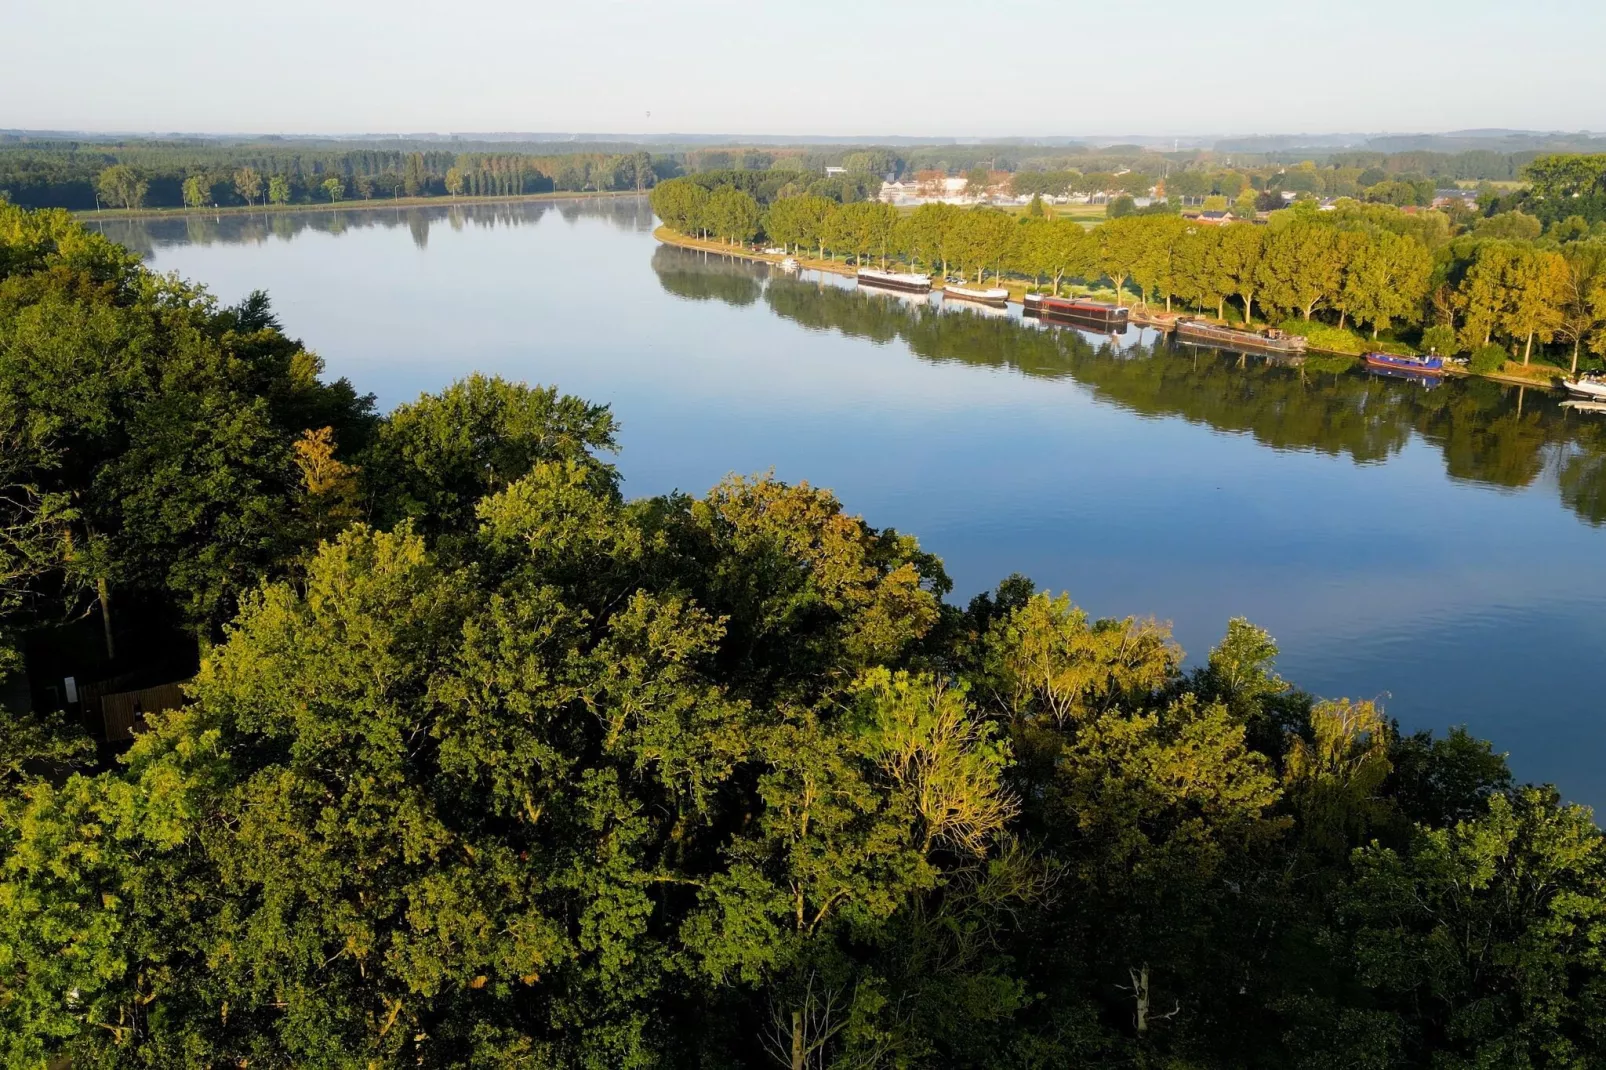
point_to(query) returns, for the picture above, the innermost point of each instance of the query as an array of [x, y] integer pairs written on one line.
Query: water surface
[[1439, 549]]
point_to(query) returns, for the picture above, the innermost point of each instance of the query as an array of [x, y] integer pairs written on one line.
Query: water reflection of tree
[[1486, 432], [702, 276], [145, 236]]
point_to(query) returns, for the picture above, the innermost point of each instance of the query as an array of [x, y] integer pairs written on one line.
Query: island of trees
[[1498, 288], [485, 764]]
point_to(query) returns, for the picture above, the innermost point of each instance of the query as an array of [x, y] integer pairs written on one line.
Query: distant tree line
[[1495, 289], [144, 176]]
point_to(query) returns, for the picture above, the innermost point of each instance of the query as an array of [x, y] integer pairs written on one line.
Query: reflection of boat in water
[[790, 265], [976, 308], [1589, 387], [907, 282], [1271, 340], [1585, 406], [1419, 366], [1094, 315], [1427, 380], [996, 296]]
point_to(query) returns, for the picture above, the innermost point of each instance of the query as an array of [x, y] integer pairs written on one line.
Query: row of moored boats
[[1096, 315]]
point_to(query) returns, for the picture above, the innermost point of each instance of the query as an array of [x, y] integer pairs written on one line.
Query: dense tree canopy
[[492, 766]]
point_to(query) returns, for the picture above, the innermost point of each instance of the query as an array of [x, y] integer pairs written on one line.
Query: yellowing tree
[[1535, 305]]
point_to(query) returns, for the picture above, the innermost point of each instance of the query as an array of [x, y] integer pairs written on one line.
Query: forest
[[46, 172], [484, 764], [1496, 288]]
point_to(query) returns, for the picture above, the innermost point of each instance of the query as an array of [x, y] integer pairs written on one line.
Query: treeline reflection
[[1486, 432], [146, 235]]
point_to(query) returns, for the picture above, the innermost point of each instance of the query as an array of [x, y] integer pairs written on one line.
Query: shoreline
[[666, 236], [93, 215]]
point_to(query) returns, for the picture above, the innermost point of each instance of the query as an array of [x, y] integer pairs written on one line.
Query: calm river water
[[1440, 549]]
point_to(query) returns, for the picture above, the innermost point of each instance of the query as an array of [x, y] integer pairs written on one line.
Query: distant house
[[836, 171], [1444, 197], [1213, 219]]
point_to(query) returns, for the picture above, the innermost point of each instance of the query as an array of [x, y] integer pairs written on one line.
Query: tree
[[159, 430], [986, 237], [927, 233], [1300, 267], [1159, 269], [1034, 209], [454, 182], [1390, 280], [122, 185], [1471, 934], [248, 184], [1538, 289], [1581, 316], [1238, 257], [279, 189], [196, 191], [415, 177], [1200, 275], [732, 214], [682, 204], [1123, 244]]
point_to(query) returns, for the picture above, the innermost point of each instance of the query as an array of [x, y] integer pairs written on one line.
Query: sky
[[821, 67]]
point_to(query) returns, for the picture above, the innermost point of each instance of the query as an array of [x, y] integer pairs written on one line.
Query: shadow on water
[[1486, 432], [145, 235]]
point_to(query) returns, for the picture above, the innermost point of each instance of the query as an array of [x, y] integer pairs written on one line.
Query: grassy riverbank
[[335, 206], [1325, 339]]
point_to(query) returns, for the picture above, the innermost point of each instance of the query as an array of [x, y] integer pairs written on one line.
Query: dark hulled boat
[[1271, 340], [1433, 366], [1095, 315], [907, 282]]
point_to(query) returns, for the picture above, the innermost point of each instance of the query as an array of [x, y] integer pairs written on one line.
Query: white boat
[[895, 280], [997, 296], [1587, 386]]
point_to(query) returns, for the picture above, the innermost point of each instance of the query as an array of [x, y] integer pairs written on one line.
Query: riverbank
[[1017, 289], [335, 206]]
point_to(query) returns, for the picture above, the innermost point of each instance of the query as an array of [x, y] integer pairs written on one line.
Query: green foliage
[[509, 770], [1488, 358], [1440, 339]]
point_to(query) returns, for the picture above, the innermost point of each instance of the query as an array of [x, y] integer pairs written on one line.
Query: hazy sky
[[919, 67]]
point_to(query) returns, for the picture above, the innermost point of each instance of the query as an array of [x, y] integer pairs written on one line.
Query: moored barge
[[1428, 365], [907, 282], [1271, 340], [1095, 314], [997, 297]]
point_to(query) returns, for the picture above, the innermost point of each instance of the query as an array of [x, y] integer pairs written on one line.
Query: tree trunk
[[1057, 276], [1140, 996], [1575, 358], [1221, 308], [103, 590], [1527, 349], [798, 1051]]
